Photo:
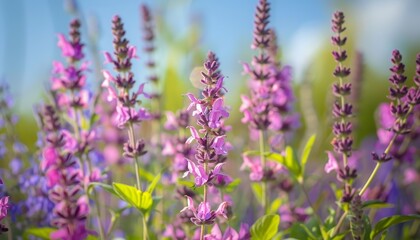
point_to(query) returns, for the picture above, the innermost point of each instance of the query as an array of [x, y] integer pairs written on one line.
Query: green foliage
[[289, 161], [275, 205], [153, 184], [265, 227], [387, 222], [142, 201], [307, 151], [233, 185], [257, 190], [42, 233], [376, 204], [104, 186]]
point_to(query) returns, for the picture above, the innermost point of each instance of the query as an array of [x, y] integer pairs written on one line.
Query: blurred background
[[188, 29]]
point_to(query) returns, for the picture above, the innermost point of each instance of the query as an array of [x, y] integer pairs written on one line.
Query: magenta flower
[[332, 164], [4, 206], [203, 215], [256, 171], [200, 175], [220, 146], [230, 233]]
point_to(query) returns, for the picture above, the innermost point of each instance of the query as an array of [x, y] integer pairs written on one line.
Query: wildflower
[[203, 215]]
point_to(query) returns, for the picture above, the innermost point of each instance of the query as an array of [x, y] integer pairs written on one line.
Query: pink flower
[[217, 112], [220, 146], [194, 135], [4, 206], [331, 164], [200, 175], [203, 214]]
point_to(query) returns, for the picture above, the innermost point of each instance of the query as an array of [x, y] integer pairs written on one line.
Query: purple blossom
[[256, 171], [229, 234], [4, 206], [203, 215]]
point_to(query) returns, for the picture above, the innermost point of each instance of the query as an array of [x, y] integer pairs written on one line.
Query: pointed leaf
[[307, 151], [376, 204], [387, 222], [42, 233], [265, 227], [289, 161], [153, 184], [136, 198], [104, 186]]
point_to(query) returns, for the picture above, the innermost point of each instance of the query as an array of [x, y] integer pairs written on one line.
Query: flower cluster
[[63, 177], [212, 147], [120, 90], [397, 121], [68, 81], [269, 106], [342, 111]]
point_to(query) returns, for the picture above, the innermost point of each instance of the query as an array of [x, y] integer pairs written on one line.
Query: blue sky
[[28, 39]]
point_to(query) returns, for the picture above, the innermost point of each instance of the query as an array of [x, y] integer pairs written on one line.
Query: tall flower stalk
[[120, 90], [403, 101], [342, 109], [62, 173], [212, 147], [256, 108], [73, 100]]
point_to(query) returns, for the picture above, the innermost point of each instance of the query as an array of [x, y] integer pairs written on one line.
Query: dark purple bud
[[342, 111], [382, 158], [341, 72], [347, 173], [338, 40], [342, 90], [339, 56], [348, 194], [337, 22], [396, 57], [413, 96], [400, 111], [397, 92], [261, 32], [342, 128], [343, 145]]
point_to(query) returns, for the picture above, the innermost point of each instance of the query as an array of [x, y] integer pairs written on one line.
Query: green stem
[[378, 165], [264, 199], [145, 232], [98, 211], [136, 159], [340, 222]]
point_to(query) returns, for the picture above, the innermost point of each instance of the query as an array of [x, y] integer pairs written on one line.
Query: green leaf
[[265, 227], [275, 205], [43, 233], [186, 183], [136, 198], [104, 186], [376, 204], [289, 161], [256, 188], [307, 151], [233, 185], [153, 184], [387, 222], [148, 176]]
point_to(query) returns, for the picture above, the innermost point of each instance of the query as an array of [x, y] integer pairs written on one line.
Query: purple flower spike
[[342, 110], [210, 138]]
